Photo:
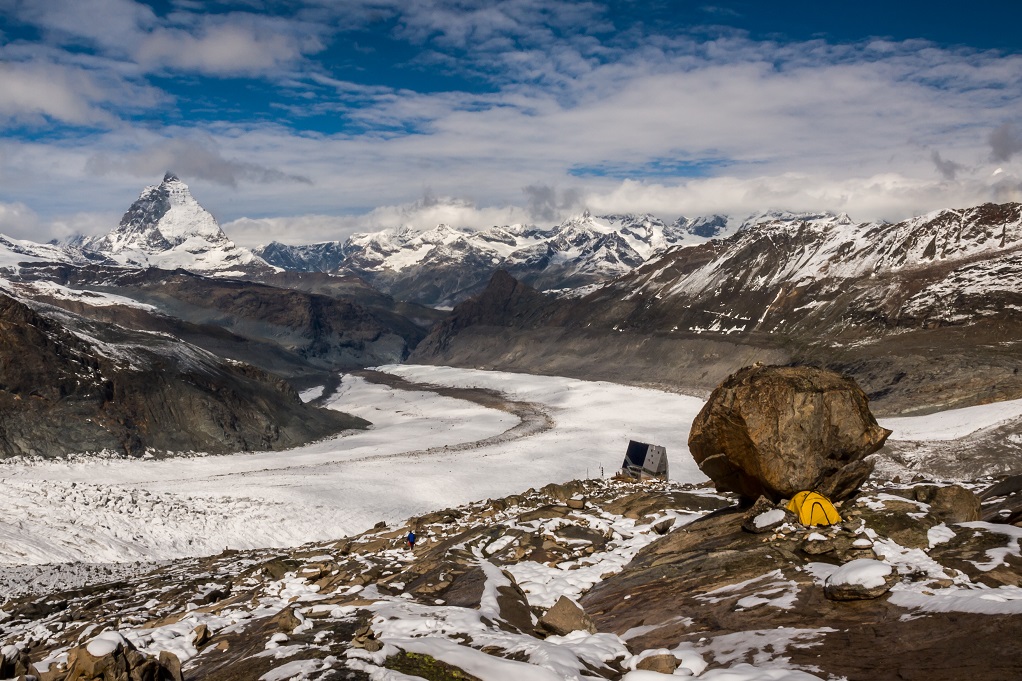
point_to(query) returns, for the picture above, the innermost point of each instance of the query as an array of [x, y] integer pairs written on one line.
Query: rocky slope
[[167, 228], [301, 324], [665, 576], [922, 313], [71, 385]]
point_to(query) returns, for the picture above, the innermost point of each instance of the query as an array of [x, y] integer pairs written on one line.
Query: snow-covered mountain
[[16, 251], [167, 228], [322, 257], [444, 265], [921, 312]]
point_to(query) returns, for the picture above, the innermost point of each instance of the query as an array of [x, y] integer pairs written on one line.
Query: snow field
[[417, 457], [113, 510]]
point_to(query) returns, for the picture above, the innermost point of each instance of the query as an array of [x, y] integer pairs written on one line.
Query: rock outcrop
[[775, 431]]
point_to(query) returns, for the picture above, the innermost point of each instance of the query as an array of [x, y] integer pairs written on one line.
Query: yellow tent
[[812, 508]]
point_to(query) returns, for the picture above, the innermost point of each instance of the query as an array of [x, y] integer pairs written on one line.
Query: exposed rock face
[[333, 324], [69, 385], [776, 431]]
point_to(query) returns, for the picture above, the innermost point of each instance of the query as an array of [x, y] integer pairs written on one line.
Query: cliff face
[[69, 385]]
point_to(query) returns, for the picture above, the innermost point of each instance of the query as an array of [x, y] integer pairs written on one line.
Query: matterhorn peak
[[166, 227]]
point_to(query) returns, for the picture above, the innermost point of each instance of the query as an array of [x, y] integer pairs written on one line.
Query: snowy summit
[[167, 228]]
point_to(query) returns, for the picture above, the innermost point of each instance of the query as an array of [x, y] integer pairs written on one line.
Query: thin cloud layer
[[306, 121]]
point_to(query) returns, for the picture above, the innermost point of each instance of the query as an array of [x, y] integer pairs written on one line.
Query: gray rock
[[776, 431], [859, 580]]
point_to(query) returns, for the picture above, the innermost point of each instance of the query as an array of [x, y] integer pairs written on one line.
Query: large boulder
[[775, 431]]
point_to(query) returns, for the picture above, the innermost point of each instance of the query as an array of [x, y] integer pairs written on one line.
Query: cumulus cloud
[[189, 158], [424, 213], [38, 91], [219, 44], [1005, 141], [947, 168], [230, 45], [546, 204], [19, 221]]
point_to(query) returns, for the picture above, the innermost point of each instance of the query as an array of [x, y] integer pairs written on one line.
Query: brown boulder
[[664, 664], [776, 431], [950, 504], [565, 617], [110, 657]]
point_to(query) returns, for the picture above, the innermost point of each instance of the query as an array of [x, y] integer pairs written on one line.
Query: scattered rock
[[286, 620], [111, 657], [565, 617], [817, 544], [664, 526], [776, 431], [365, 638], [764, 517], [202, 636]]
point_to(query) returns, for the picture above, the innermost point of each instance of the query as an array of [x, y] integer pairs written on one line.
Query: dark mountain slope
[[289, 331], [71, 385]]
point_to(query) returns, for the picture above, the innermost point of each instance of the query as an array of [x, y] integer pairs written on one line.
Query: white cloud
[[39, 91], [424, 213], [19, 221], [227, 45], [880, 130], [194, 156]]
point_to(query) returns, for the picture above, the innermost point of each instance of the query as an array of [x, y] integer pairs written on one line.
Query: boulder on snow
[[664, 663], [860, 579], [776, 431], [565, 617]]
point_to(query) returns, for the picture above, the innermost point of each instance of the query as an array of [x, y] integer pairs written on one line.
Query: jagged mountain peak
[[166, 227]]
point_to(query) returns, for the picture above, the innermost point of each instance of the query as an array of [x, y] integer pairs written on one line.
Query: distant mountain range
[[441, 266], [923, 312]]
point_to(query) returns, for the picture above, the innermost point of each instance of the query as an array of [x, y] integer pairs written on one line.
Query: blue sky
[[307, 120]]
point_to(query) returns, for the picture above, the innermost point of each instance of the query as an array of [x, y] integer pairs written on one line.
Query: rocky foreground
[[592, 579]]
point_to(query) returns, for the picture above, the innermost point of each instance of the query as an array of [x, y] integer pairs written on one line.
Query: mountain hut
[[644, 460]]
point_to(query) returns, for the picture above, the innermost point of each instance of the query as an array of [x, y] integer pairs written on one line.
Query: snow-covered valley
[[430, 451], [423, 453], [413, 460]]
